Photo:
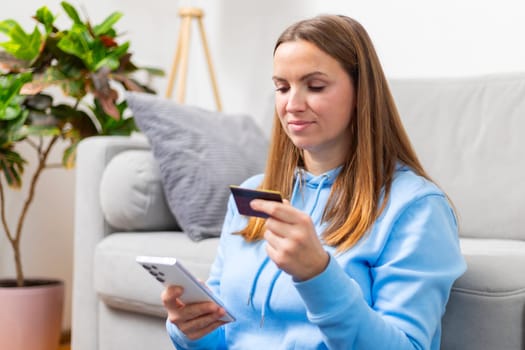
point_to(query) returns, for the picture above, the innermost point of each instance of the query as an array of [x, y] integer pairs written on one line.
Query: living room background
[[413, 39]]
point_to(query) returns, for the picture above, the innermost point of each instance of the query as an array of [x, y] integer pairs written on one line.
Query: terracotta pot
[[31, 316]]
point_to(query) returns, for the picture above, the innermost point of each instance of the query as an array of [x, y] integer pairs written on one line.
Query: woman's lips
[[298, 125]]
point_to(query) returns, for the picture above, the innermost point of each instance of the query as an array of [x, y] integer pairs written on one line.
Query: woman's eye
[[316, 88], [282, 89]]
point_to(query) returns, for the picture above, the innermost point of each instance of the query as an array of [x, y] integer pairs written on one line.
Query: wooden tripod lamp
[[181, 55]]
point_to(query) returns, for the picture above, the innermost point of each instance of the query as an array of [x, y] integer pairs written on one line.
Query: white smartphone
[[170, 271]]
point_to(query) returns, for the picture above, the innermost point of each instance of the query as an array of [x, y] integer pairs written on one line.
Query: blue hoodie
[[389, 291]]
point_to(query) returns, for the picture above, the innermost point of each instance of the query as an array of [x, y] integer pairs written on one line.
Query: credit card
[[243, 197]]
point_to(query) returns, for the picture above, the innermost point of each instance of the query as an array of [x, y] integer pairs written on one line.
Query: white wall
[[413, 38]]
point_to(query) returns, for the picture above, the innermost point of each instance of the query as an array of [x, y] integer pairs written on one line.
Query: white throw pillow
[[131, 194]]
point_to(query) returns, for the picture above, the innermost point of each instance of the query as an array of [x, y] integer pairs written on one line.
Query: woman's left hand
[[292, 241]]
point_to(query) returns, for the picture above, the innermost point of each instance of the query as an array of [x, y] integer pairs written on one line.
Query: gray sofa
[[469, 133]]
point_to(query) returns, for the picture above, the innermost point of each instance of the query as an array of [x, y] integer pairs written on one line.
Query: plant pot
[[31, 316]]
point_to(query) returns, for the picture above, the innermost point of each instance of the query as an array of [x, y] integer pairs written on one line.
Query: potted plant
[[89, 67]]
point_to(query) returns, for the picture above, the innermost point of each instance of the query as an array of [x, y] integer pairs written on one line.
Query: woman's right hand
[[194, 320]]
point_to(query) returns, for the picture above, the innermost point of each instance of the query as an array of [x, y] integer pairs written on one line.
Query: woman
[[364, 253]]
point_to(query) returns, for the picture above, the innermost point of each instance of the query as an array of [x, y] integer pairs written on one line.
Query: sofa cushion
[[494, 285], [495, 267], [122, 283], [199, 153], [469, 135], [131, 193]]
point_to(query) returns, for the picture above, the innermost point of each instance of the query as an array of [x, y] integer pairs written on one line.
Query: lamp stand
[[181, 55]]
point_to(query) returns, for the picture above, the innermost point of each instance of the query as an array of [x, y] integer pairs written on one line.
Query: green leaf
[[154, 71], [14, 129], [122, 127], [10, 99], [12, 165], [74, 88], [44, 16], [70, 78], [80, 121], [112, 59], [111, 126], [14, 30], [66, 112], [7, 26], [120, 50], [20, 121], [40, 130], [10, 112], [12, 48], [74, 44], [107, 24], [80, 43], [22, 45], [66, 70], [33, 45], [12, 156], [12, 175], [71, 12], [69, 156]]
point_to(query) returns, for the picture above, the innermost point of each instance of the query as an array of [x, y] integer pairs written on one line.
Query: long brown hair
[[379, 142]]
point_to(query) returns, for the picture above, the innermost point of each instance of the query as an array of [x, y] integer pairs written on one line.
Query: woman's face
[[315, 99]]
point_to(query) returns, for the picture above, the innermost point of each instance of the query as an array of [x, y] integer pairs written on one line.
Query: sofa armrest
[[93, 154]]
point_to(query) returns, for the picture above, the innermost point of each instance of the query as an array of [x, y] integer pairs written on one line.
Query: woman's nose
[[296, 101]]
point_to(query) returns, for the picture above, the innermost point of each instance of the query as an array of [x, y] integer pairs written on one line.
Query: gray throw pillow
[[200, 153]]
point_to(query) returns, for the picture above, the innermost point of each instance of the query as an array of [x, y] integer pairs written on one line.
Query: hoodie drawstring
[[267, 259], [297, 183], [318, 194], [268, 296], [255, 279]]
